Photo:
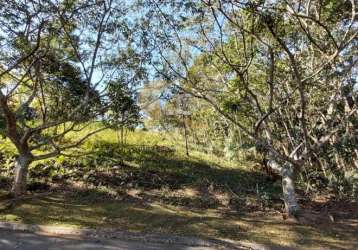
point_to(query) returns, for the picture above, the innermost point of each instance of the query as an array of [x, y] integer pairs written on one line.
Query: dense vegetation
[[268, 87], [282, 74]]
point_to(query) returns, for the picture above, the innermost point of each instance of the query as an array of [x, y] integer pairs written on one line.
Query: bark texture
[[288, 186], [289, 194], [20, 180]]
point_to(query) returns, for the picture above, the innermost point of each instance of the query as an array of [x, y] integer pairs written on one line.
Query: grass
[[150, 185], [135, 215]]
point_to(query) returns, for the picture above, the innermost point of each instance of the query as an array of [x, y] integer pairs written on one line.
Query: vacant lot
[[154, 187]]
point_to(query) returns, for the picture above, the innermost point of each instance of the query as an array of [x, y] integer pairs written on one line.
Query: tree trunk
[[288, 186], [122, 135], [289, 194], [21, 167], [186, 137]]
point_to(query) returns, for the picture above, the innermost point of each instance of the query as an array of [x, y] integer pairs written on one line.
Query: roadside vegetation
[[223, 119]]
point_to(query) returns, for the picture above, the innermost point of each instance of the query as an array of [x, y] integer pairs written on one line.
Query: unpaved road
[[29, 241]]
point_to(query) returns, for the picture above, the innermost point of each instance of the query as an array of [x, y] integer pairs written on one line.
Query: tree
[[276, 70], [123, 109], [150, 99], [57, 60]]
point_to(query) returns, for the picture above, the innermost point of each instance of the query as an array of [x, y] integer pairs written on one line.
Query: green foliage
[[123, 109], [62, 67]]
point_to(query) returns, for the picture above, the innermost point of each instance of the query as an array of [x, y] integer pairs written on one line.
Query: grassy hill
[[149, 184]]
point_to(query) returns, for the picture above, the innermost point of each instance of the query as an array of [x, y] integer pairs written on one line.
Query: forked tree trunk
[[20, 180], [288, 186], [289, 193]]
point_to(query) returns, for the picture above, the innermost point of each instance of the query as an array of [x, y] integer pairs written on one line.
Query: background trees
[[123, 109]]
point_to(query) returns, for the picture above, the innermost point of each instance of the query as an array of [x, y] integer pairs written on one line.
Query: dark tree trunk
[[122, 135], [20, 179]]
